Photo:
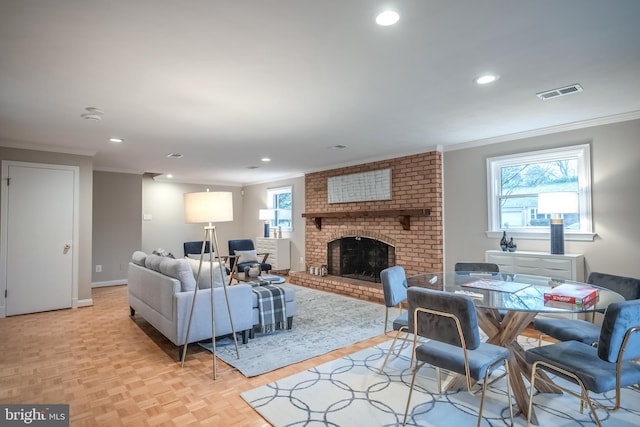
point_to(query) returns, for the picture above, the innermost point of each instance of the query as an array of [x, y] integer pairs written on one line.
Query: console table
[[279, 252], [567, 266]]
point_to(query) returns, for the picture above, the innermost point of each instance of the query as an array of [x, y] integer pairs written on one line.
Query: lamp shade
[[214, 206], [266, 214], [560, 202]]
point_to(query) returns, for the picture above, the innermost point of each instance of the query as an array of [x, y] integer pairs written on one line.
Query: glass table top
[[510, 291]]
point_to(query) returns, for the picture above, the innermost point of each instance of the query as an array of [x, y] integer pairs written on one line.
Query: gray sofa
[[160, 289]]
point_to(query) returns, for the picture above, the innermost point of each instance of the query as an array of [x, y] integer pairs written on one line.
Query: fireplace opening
[[359, 258]]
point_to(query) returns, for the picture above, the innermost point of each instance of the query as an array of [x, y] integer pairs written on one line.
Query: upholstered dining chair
[[242, 253], [394, 289], [608, 367], [583, 330], [450, 323], [480, 267]]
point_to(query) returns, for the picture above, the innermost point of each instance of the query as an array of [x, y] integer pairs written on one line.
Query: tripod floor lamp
[[209, 207]]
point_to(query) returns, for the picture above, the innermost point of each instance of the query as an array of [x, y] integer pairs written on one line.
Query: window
[[279, 199], [515, 181]]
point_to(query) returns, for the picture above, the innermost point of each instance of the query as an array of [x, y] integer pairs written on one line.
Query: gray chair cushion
[[451, 357], [581, 359], [568, 329], [401, 321]]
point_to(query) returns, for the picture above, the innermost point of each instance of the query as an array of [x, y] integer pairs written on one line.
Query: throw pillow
[[246, 256], [206, 256], [179, 269], [204, 282]]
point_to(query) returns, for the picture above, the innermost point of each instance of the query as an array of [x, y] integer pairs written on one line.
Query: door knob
[[66, 248]]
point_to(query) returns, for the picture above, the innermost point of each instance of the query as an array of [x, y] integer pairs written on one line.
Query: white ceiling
[[227, 82]]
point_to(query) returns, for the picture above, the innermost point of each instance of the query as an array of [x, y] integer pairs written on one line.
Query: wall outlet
[[301, 260], [98, 268]]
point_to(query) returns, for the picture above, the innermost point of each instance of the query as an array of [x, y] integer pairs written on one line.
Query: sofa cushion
[[152, 262], [246, 256], [179, 269], [204, 281], [139, 258]]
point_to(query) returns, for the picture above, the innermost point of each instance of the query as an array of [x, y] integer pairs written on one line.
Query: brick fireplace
[[417, 239]]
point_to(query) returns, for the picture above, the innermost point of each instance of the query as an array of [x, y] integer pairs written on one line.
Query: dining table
[[506, 304]]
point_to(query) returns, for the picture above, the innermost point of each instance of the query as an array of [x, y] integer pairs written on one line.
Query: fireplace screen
[[359, 258]]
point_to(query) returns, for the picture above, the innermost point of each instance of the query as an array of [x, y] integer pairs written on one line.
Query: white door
[[39, 209]]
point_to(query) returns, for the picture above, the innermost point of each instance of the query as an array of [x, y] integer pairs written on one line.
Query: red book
[[581, 296]]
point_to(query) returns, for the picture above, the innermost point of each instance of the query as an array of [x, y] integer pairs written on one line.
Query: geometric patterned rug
[[351, 392]]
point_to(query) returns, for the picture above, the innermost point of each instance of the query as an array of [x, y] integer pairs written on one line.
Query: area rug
[[325, 322], [351, 392]]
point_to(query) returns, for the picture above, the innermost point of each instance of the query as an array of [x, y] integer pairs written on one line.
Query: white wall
[[167, 229], [255, 198], [615, 157]]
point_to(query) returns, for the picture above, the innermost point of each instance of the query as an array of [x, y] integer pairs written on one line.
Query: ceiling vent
[[92, 113], [567, 90]]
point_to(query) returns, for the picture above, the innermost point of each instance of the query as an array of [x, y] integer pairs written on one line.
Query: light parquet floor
[[114, 371], [117, 371]]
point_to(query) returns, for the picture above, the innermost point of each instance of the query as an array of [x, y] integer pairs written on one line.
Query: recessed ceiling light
[[265, 159], [387, 17], [486, 79], [169, 176], [116, 140], [175, 156]]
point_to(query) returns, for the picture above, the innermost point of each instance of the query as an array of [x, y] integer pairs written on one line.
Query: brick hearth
[[360, 289]]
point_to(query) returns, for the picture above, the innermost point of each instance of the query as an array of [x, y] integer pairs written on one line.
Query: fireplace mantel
[[404, 215]]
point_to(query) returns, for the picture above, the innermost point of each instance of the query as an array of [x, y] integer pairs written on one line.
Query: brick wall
[[416, 183]]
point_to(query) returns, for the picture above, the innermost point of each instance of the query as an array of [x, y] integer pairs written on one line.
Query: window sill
[[541, 235]]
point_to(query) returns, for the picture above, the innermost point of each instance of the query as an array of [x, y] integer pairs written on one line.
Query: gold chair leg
[[393, 344], [413, 380]]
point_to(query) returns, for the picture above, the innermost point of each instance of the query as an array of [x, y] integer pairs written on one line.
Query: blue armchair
[[242, 253], [195, 248], [610, 366]]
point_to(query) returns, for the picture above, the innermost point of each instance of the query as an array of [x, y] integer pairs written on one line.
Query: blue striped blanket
[[271, 307]]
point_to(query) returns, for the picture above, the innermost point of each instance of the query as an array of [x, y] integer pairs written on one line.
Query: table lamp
[[266, 215], [209, 207], [556, 203]]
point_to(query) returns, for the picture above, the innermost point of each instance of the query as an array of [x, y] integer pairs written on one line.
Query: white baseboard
[[85, 302], [109, 283]]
